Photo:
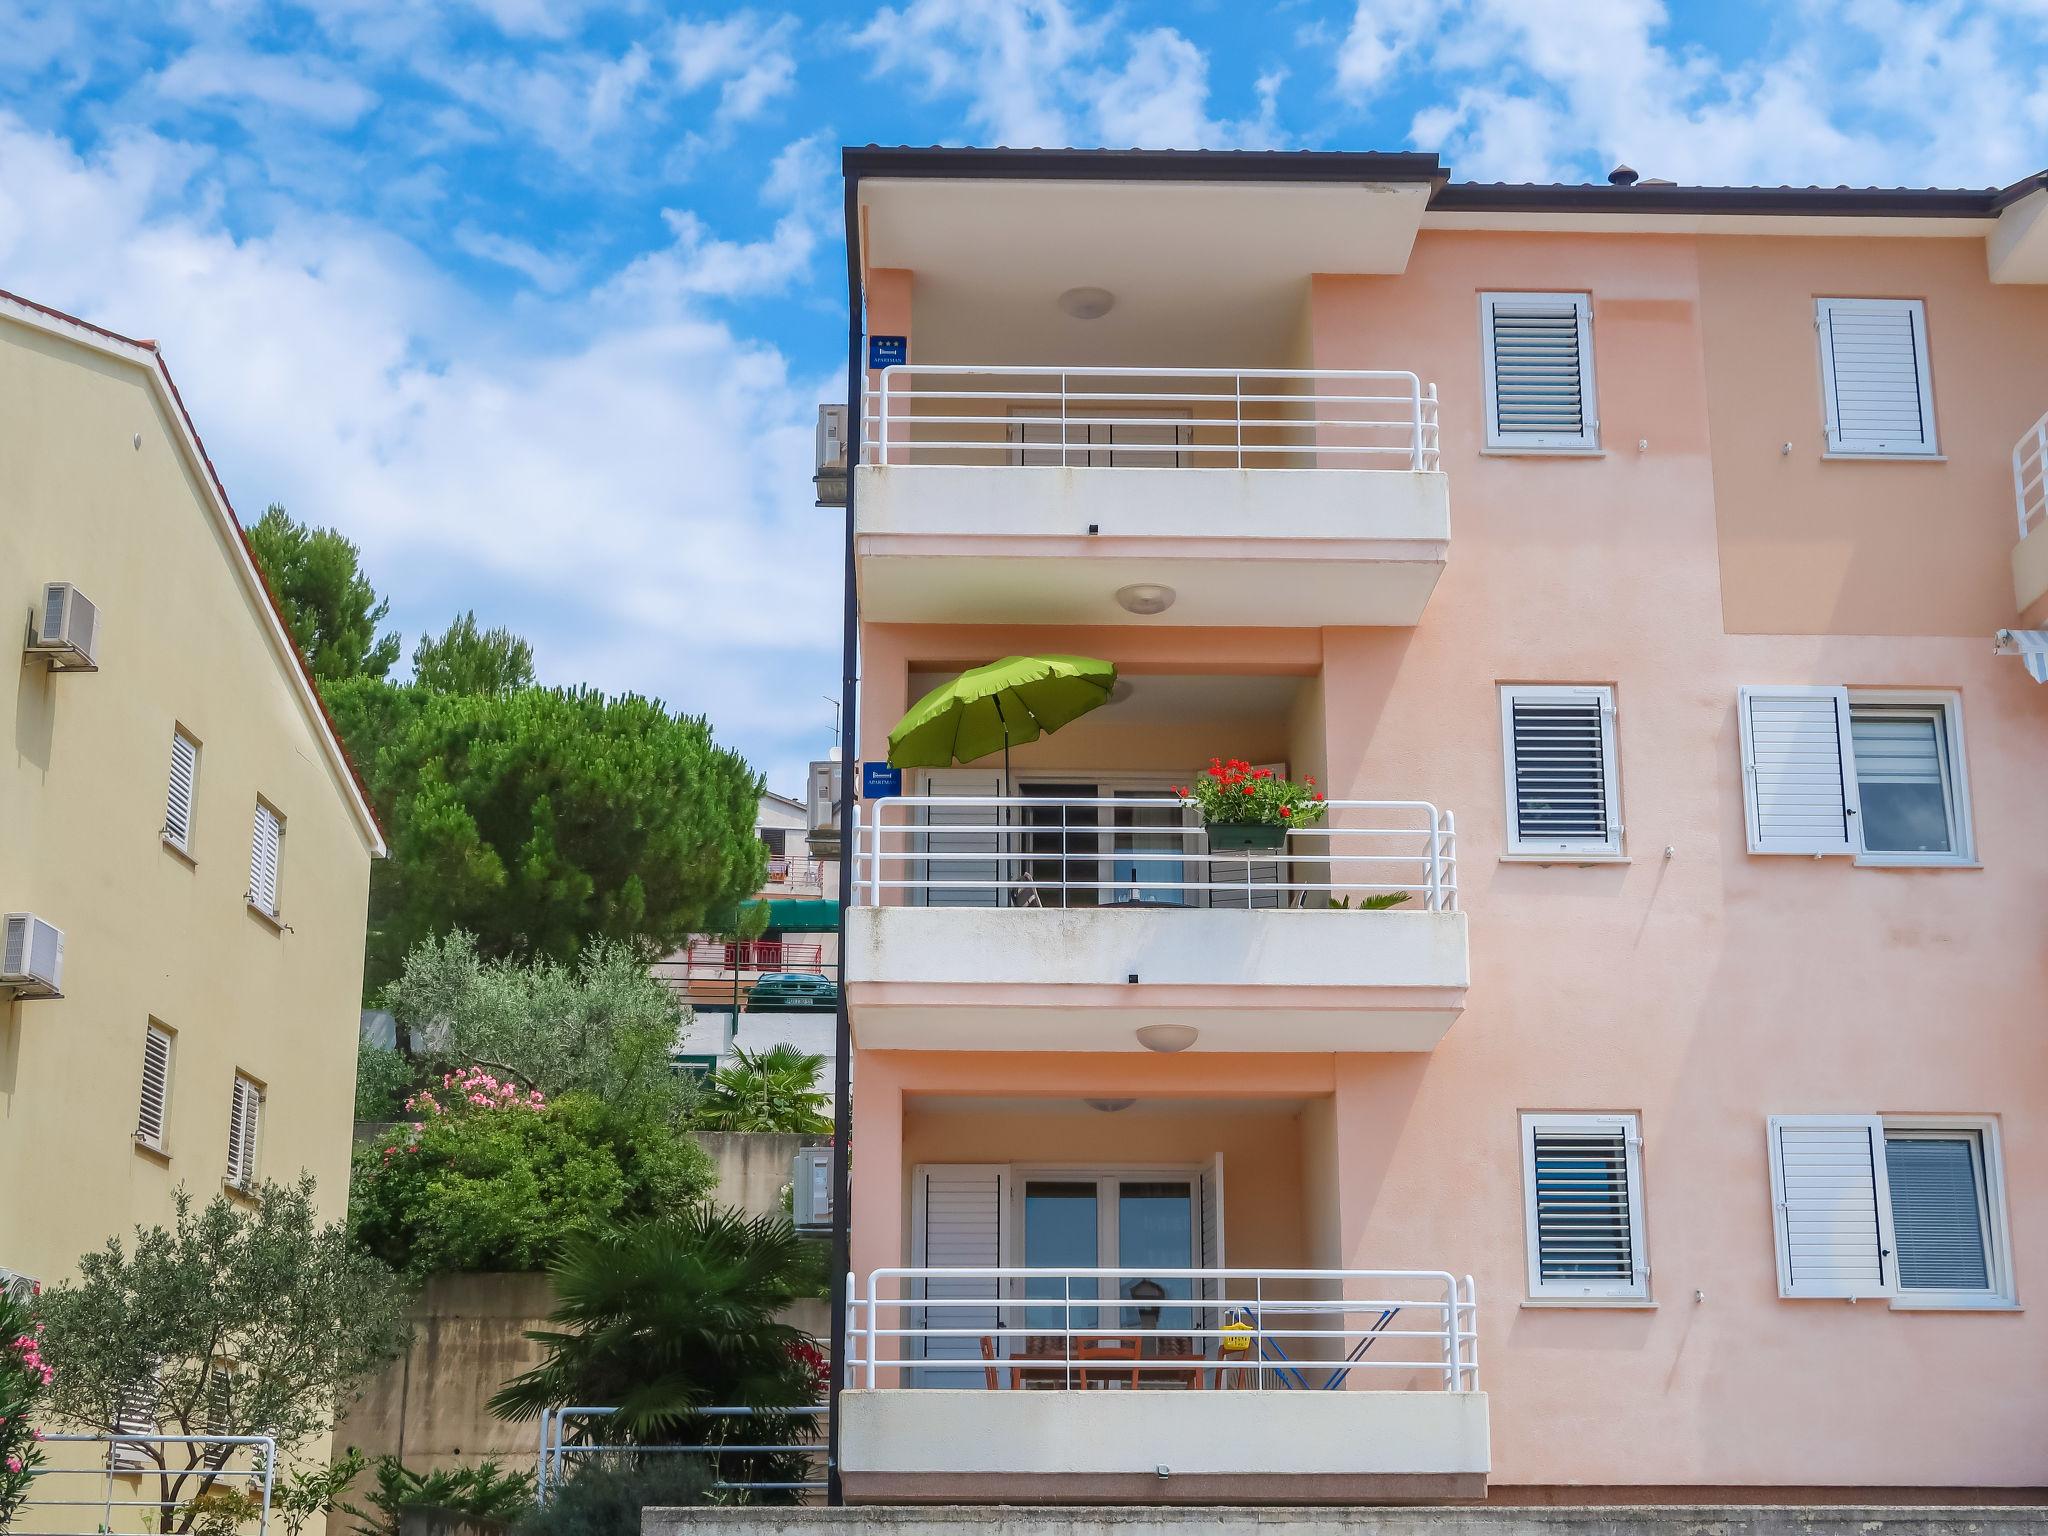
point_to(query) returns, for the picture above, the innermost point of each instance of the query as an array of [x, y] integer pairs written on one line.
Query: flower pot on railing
[[1250, 810], [1246, 837]]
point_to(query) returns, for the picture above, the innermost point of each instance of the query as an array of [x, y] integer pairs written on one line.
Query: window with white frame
[[1902, 1206], [183, 790], [266, 855], [1563, 785], [245, 1112], [154, 1115], [1538, 355], [1875, 388], [1877, 774], [1582, 1184]]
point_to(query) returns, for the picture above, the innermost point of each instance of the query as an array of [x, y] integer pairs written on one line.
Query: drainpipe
[[849, 770]]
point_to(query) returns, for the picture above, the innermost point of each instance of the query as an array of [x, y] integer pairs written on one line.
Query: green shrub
[[486, 1494], [772, 1090], [383, 1079], [605, 1494], [497, 1185]]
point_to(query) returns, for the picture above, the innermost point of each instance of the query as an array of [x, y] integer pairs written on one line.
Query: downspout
[[849, 769]]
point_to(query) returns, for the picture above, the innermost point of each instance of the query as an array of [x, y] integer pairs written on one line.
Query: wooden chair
[[1113, 1348], [990, 1370], [1189, 1350]]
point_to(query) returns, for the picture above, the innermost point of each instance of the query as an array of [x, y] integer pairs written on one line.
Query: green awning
[[800, 916]]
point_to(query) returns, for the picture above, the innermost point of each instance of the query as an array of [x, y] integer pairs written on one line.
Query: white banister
[[2030, 476], [1221, 418]]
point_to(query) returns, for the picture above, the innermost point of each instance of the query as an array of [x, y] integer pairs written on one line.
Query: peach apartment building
[[1631, 565]]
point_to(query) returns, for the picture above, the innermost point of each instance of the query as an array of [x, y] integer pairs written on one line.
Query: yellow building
[[174, 802]]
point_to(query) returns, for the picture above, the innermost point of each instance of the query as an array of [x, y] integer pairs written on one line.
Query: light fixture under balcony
[[1167, 1038], [1109, 1106], [1145, 597], [1087, 303]]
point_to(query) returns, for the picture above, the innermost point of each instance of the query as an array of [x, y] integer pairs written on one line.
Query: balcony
[[2030, 496], [1031, 922], [1206, 1385], [1046, 495], [707, 970]]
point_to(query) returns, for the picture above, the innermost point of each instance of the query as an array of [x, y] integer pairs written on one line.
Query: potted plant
[[1248, 810]]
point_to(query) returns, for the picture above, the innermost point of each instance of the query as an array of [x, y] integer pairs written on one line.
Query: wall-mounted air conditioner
[[810, 1184], [31, 956], [821, 801], [65, 630], [831, 476]]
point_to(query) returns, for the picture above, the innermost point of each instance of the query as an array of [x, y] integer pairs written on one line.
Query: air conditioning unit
[[31, 956], [810, 1183], [822, 810], [831, 476], [66, 629]]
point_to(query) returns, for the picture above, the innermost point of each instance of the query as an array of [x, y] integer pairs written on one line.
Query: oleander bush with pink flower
[[23, 1376], [491, 1176]]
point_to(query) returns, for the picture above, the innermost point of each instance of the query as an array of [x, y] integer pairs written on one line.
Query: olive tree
[[233, 1321]]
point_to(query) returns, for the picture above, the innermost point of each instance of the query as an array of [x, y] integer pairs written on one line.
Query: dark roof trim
[[1227, 165], [1255, 165], [1840, 202]]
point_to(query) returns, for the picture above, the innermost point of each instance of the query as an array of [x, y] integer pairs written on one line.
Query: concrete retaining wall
[[1620, 1520]]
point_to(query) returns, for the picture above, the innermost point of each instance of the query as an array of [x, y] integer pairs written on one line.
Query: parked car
[[793, 992]]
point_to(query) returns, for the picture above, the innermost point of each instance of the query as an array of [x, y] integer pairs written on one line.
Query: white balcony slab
[[1162, 1447], [1013, 543], [994, 978]]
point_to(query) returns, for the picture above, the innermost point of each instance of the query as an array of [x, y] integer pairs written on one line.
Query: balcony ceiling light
[[1145, 597], [1109, 1106], [1167, 1038], [1087, 303]]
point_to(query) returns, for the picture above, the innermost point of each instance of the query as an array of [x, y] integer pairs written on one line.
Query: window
[[266, 853], [1873, 377], [1582, 1181], [1876, 774], [1563, 797], [244, 1113], [775, 839], [1908, 1207], [184, 785], [1538, 351], [156, 1087], [135, 1414]]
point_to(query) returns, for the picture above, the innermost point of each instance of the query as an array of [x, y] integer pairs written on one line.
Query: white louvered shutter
[[1940, 1210], [184, 785], [971, 842], [156, 1086], [1874, 379], [244, 1114], [266, 847], [1562, 779], [1582, 1180], [1798, 770], [960, 1213], [1831, 1207], [1538, 350], [136, 1415]]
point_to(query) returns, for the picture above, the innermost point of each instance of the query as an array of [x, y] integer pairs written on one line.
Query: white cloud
[[1379, 37], [305, 86], [548, 273], [630, 488], [749, 58], [569, 100], [1038, 74]]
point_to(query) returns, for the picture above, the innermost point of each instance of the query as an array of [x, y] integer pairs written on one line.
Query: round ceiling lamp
[[1167, 1038], [1087, 303], [1145, 597]]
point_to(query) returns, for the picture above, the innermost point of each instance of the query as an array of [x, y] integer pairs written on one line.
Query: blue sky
[[535, 298]]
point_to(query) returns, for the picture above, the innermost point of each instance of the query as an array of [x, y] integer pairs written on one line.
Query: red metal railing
[[720, 957]]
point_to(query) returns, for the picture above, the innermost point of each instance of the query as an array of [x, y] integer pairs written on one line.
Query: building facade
[[176, 805], [1627, 565]]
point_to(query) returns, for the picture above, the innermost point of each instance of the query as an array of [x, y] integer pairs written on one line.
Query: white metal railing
[[792, 870], [2030, 476], [1201, 418], [559, 1442], [74, 1500], [1142, 851], [1013, 1327]]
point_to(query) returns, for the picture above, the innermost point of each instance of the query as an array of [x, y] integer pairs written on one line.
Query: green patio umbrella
[[1004, 704]]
